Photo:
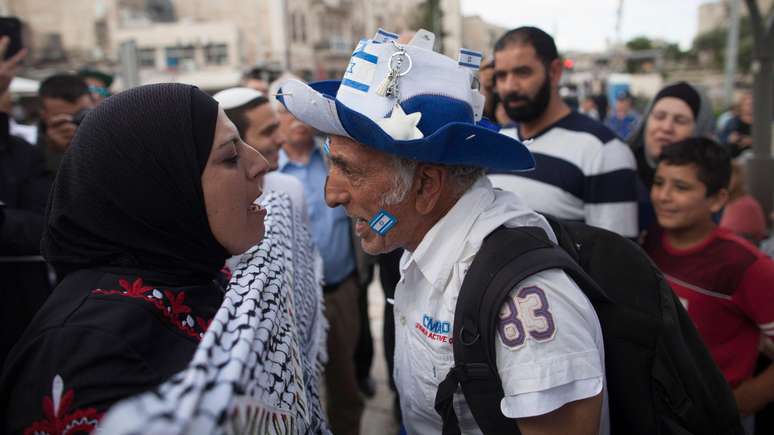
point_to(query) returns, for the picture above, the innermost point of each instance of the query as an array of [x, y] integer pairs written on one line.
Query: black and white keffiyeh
[[257, 368]]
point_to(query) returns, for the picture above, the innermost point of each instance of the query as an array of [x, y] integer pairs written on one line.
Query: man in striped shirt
[[583, 171]]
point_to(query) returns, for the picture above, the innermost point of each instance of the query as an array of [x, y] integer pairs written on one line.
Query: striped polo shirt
[[583, 172]]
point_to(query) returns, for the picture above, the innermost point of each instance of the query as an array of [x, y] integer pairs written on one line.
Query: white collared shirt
[[550, 354]]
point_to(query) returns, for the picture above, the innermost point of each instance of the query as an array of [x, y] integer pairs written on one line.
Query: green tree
[[672, 52], [639, 43], [714, 42]]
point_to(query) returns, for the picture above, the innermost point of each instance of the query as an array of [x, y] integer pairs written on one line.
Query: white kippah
[[235, 97]]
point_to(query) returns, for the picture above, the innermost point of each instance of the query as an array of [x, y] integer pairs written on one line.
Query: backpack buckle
[[472, 341]]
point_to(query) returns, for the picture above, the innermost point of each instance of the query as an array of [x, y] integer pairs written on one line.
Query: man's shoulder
[[276, 180], [747, 258], [731, 248], [579, 125], [18, 147]]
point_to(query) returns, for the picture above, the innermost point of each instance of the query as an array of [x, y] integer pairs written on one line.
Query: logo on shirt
[[526, 315], [436, 330], [436, 326]]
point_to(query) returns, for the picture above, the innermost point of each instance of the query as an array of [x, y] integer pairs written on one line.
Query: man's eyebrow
[[269, 129], [516, 69], [340, 162]]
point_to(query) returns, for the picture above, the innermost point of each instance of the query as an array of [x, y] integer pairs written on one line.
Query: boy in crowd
[[723, 281]]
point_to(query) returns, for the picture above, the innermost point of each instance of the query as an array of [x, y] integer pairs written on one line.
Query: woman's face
[[231, 182], [670, 120]]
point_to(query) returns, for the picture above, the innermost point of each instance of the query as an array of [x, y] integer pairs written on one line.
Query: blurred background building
[[212, 43]]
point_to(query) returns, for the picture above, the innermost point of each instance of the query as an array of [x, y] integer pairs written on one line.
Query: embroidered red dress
[[102, 336]]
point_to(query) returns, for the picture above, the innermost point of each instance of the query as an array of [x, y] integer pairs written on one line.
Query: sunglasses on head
[[99, 90]]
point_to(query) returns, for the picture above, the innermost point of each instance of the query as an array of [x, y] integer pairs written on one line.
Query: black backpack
[[660, 377]]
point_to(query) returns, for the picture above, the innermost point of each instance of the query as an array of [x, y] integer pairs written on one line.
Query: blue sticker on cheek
[[326, 146], [382, 222]]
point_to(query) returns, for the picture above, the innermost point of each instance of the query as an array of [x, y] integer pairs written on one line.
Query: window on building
[[176, 56], [216, 54], [101, 32], [52, 50], [146, 57]]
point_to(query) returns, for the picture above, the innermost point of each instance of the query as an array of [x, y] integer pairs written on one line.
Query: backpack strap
[[507, 257]]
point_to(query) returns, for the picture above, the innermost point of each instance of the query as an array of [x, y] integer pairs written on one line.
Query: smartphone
[[12, 28]]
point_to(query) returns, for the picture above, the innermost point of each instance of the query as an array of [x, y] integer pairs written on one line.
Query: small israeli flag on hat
[[385, 36], [470, 58], [410, 101]]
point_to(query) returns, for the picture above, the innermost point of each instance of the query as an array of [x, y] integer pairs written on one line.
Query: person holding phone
[[62, 98], [24, 186]]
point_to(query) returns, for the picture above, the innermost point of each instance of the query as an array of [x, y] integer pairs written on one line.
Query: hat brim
[[456, 143]]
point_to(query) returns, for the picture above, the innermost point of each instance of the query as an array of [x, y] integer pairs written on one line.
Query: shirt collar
[[284, 160], [440, 249]]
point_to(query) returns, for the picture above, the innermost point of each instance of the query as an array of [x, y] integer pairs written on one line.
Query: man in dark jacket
[[24, 186]]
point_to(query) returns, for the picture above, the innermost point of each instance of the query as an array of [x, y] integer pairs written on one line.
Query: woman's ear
[[429, 181]]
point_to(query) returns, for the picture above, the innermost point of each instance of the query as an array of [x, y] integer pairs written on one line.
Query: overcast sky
[[588, 25]]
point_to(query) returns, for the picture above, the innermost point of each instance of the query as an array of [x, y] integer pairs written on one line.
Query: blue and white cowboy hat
[[409, 101]]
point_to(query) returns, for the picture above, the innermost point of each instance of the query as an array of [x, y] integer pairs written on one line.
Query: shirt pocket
[[429, 366]]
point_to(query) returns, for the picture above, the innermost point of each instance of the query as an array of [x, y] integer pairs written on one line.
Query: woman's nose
[[258, 164]]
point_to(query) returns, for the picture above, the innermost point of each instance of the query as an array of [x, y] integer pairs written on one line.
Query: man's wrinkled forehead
[[515, 53], [346, 152]]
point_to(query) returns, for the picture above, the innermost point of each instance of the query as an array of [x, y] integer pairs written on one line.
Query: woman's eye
[[682, 120], [233, 160]]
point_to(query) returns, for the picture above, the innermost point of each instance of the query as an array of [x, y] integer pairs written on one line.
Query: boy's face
[[680, 198], [57, 115]]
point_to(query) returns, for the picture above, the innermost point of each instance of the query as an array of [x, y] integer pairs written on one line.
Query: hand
[[755, 393], [8, 67], [766, 345], [486, 77], [747, 399], [60, 131]]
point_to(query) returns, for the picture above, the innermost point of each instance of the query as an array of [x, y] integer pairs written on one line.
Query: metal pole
[[435, 16], [618, 15], [127, 54], [287, 32], [760, 168], [732, 50]]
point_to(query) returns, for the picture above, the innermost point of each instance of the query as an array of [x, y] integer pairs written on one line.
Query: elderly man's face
[[358, 180]]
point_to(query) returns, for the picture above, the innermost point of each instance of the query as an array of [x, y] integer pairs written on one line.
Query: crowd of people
[[132, 243]]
